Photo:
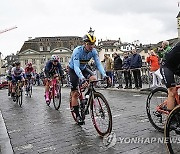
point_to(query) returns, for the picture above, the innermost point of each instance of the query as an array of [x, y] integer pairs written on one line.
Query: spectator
[[135, 65], [37, 79], [127, 74], [153, 62], [118, 69], [108, 67]]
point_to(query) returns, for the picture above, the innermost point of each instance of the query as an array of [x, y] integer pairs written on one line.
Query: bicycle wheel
[[30, 90], [57, 96], [101, 114], [172, 131], [155, 98], [19, 96]]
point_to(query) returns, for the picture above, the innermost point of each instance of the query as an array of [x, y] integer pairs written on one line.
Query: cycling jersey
[[29, 70], [172, 59], [51, 69], [80, 58], [17, 72]]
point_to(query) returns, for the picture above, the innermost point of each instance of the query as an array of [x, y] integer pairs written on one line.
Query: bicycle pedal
[[157, 114]]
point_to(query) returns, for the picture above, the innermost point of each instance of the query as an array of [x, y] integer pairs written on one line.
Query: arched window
[[61, 59]]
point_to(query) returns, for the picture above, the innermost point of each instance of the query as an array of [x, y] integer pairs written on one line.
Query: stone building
[[108, 47], [39, 50]]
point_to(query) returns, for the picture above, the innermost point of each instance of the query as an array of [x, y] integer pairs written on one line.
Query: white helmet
[[55, 58]]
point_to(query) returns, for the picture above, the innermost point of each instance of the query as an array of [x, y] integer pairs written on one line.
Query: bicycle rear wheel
[[101, 114], [155, 98], [57, 97], [172, 131]]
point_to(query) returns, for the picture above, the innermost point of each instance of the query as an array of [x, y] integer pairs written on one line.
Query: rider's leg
[[171, 98], [46, 89], [74, 101]]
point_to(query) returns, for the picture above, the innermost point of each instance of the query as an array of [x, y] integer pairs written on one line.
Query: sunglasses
[[89, 43]]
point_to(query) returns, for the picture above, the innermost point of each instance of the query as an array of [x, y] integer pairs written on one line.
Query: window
[[43, 60], [48, 48], [33, 61], [41, 48], [61, 59], [66, 59], [26, 61]]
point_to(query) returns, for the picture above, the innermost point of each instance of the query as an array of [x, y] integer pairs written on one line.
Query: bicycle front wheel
[[172, 131], [30, 90], [57, 96], [19, 97], [154, 99], [101, 114]]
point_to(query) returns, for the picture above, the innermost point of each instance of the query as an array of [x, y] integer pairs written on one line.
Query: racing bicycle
[[54, 92], [100, 111]]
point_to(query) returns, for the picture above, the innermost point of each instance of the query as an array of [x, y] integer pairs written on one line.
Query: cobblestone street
[[37, 128]]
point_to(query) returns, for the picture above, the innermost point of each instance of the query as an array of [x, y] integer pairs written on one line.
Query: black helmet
[[89, 38], [17, 63]]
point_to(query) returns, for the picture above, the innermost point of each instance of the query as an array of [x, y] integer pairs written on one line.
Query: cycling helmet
[[89, 38], [17, 63], [55, 58], [29, 64]]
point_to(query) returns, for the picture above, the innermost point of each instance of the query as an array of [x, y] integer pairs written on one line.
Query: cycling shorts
[[16, 78], [9, 78], [168, 77], [74, 79]]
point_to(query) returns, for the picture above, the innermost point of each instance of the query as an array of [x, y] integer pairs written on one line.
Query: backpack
[[172, 59]]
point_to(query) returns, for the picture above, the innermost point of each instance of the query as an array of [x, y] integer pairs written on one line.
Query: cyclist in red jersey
[[29, 73]]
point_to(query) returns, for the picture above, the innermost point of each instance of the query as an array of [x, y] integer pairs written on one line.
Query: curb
[[5, 145]]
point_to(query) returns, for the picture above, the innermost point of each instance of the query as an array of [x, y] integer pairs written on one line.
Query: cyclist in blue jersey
[[79, 72], [53, 68]]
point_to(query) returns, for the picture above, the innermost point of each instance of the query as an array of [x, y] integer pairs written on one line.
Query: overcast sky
[[148, 21]]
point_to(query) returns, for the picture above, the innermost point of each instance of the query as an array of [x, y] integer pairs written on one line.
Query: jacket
[[117, 63], [136, 61], [126, 63], [154, 62]]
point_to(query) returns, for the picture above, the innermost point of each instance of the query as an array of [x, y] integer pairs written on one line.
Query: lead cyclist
[[78, 70]]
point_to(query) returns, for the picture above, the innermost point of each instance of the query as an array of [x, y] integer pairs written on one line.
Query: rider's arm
[[98, 63], [60, 70], [22, 71], [47, 69], [77, 64]]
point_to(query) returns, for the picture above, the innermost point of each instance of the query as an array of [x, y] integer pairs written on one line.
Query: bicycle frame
[[91, 95], [177, 100], [53, 82]]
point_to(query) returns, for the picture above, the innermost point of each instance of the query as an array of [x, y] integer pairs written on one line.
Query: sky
[[149, 21]]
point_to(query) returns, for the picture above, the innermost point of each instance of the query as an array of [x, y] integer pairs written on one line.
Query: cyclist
[[77, 69], [17, 73], [29, 74], [53, 68], [168, 75], [9, 78]]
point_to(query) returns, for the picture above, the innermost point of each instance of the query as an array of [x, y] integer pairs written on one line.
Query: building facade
[[39, 50]]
